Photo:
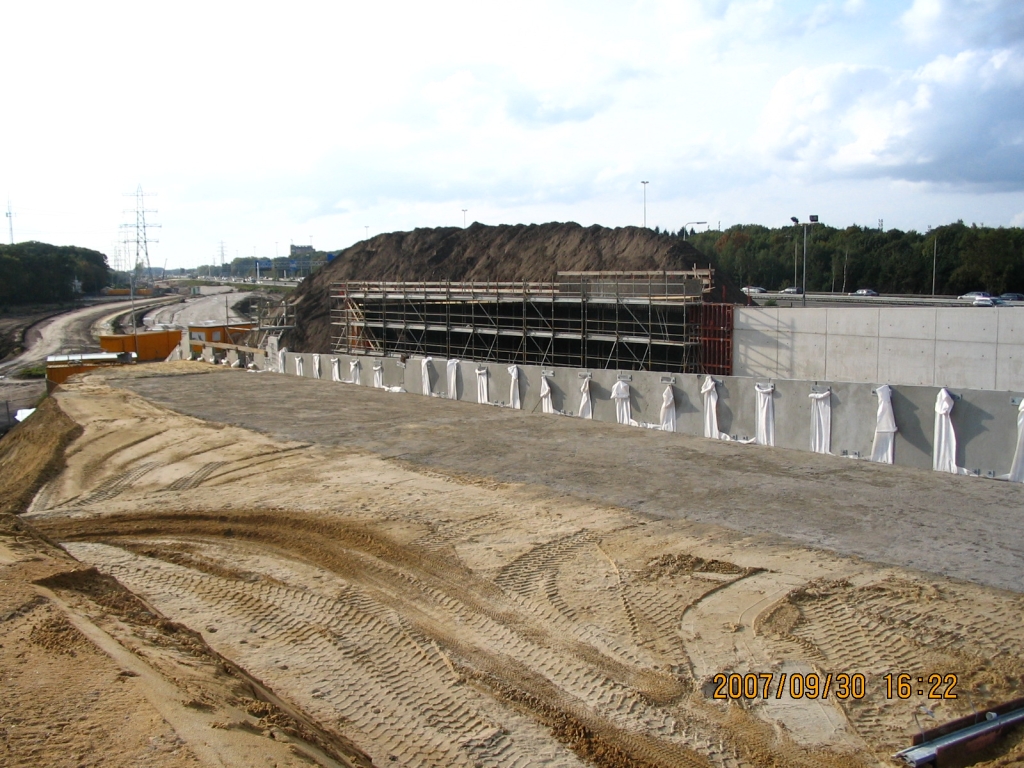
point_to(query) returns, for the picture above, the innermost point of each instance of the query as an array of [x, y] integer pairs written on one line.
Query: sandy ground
[[451, 618]]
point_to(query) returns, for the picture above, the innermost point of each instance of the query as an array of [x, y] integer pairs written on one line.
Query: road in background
[[194, 311]]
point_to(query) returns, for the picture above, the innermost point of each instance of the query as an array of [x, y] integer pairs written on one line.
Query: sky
[[257, 126]]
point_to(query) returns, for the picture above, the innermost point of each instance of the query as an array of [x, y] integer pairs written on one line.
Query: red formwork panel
[[716, 339]]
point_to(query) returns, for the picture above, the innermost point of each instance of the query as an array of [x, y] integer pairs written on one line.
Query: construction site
[[332, 548]]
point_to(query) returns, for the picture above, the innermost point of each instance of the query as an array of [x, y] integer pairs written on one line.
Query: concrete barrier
[[985, 421]]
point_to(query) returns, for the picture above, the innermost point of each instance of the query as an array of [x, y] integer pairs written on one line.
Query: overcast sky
[[264, 124]]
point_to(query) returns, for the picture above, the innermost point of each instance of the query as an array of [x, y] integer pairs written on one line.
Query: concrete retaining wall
[[979, 348], [985, 421]]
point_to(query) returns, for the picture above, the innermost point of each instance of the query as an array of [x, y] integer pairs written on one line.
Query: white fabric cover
[[481, 386], [425, 375], [453, 379], [353, 368], [668, 410], [316, 366], [23, 413], [765, 414], [545, 395], [821, 421], [620, 394], [586, 407], [282, 359], [882, 447], [944, 438], [710, 392], [378, 376], [335, 369], [1017, 467], [299, 365], [513, 394]]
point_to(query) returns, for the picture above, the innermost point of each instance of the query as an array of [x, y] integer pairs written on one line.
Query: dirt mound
[[32, 453], [479, 252]]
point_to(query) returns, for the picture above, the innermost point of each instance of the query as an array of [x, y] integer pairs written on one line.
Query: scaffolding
[[615, 320]]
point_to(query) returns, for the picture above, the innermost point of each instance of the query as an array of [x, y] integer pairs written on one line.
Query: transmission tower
[[141, 239]]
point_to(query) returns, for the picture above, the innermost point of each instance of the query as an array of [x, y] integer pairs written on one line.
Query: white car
[[749, 289]]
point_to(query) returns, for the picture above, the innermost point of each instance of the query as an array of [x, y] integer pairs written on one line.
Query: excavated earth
[[534, 252], [183, 591]]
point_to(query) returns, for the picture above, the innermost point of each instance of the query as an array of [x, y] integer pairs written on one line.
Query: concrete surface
[[963, 527], [967, 347]]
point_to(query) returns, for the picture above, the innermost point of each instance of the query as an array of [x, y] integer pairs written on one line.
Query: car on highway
[[988, 301], [864, 292], [972, 295], [792, 289], [1012, 296], [749, 289]]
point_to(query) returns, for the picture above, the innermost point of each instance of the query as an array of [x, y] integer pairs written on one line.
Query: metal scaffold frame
[[616, 320]]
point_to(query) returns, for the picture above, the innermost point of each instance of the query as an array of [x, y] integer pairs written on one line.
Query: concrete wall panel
[[980, 324], [904, 322], [861, 323], [808, 357], [905, 361], [966, 364], [852, 358]]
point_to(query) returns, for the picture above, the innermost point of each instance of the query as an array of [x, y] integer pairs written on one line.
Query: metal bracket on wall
[[820, 390], [668, 379], [955, 397], [481, 370], [624, 377], [547, 374], [585, 375], [400, 364], [1015, 401]]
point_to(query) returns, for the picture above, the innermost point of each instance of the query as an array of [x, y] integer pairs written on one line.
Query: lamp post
[[811, 221], [686, 226], [645, 183], [464, 217]]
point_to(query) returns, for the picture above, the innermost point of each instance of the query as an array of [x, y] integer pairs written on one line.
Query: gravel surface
[[962, 527]]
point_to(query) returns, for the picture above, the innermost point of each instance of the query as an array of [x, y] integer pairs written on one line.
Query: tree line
[[965, 258], [39, 273]]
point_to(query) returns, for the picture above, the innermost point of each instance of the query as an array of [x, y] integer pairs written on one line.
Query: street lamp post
[[645, 183], [811, 221], [686, 226], [464, 217]]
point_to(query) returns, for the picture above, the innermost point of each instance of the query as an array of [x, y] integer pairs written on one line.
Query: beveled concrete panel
[[754, 319], [853, 321], [1010, 368], [808, 357], [755, 353], [967, 323], [965, 364], [906, 361], [1010, 321], [906, 322], [803, 320], [852, 358]]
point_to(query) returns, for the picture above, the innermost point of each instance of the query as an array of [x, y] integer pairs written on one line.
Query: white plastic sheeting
[[545, 395], [299, 365], [378, 376], [1017, 466], [513, 394], [481, 386], [316, 366], [335, 369], [620, 394], [353, 372], [453, 379], [765, 434], [586, 406], [710, 392], [944, 438], [882, 447], [668, 410], [821, 421], [425, 375], [282, 359], [23, 413]]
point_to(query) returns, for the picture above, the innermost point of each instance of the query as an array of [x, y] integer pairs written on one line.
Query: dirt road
[[448, 618]]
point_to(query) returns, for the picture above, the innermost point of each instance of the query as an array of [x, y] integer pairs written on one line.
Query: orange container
[[152, 345]]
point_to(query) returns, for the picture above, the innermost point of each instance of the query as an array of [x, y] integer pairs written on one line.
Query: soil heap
[[533, 252]]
